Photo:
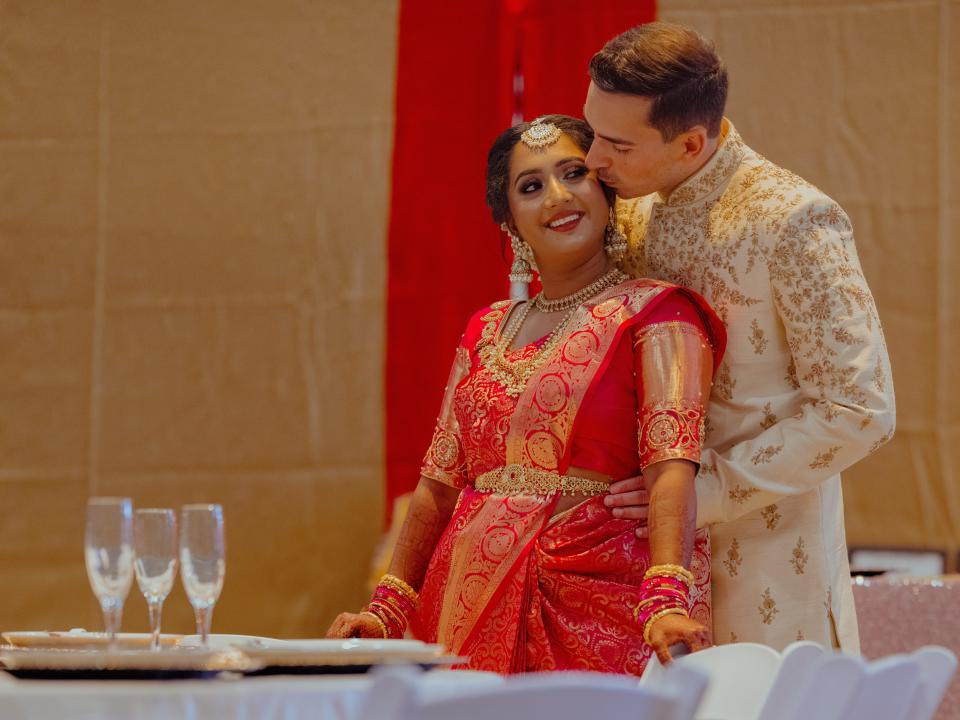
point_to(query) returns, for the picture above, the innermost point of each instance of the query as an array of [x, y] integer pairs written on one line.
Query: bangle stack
[[393, 603], [665, 590]]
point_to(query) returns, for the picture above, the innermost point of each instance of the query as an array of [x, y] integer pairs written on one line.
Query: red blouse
[[647, 406]]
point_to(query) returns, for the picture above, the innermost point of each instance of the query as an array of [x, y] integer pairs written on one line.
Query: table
[[330, 697]]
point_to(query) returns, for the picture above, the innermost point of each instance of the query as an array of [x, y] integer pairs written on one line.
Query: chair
[[398, 695], [740, 676], [937, 666], [797, 664]]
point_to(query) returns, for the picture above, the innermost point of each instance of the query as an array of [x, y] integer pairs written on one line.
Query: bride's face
[[556, 203]]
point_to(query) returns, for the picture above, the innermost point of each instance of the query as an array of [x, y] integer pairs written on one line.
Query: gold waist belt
[[521, 480]]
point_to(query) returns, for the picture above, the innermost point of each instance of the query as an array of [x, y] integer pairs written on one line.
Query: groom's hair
[[674, 66]]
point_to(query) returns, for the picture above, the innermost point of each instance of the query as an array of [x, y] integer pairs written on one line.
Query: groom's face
[[628, 153]]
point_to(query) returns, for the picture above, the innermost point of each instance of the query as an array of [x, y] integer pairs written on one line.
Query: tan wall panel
[[851, 95], [48, 223], [192, 276], [49, 70]]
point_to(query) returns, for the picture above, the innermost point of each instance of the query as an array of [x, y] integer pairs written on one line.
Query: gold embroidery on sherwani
[[769, 419], [824, 458], [799, 635], [799, 559], [734, 559], [766, 454], [767, 607], [740, 495], [757, 338], [881, 442], [723, 384], [733, 637], [772, 516], [879, 379]]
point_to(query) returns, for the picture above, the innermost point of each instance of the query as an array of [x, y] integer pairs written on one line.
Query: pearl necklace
[[513, 374], [614, 277]]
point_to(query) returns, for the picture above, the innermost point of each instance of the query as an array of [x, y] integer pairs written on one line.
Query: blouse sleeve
[[674, 366], [445, 461]]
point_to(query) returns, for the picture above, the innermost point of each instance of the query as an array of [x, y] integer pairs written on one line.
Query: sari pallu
[[510, 586]]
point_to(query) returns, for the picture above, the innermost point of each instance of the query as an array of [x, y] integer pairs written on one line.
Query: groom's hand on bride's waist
[[630, 500]]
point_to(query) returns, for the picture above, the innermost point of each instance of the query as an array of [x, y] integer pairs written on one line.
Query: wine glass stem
[[155, 607], [204, 615], [112, 616]]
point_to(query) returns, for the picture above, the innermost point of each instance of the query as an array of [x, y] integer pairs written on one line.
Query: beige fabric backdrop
[[192, 258], [192, 266]]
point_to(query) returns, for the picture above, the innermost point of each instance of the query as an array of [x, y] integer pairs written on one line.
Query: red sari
[[509, 585]]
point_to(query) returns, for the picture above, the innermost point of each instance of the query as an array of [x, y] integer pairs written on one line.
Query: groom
[[805, 389]]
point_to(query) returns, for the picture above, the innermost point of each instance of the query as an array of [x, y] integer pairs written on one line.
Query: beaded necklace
[[513, 374]]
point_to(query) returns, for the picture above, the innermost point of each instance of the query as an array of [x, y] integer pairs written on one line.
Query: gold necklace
[[613, 277], [495, 351]]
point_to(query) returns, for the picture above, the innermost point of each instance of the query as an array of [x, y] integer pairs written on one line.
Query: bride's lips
[[565, 221]]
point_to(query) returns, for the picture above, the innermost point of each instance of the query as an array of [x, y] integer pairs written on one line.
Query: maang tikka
[[540, 134]]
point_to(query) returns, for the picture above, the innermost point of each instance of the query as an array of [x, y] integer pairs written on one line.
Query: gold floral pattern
[[741, 495], [766, 454], [757, 338], [800, 558], [771, 516], [769, 419], [734, 559], [767, 607], [823, 459]]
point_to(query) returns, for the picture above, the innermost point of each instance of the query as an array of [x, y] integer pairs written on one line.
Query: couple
[[527, 545]]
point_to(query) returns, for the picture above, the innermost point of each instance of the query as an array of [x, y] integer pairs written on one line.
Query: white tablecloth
[[331, 697]]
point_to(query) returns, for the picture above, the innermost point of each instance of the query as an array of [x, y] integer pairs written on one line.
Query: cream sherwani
[[804, 390]]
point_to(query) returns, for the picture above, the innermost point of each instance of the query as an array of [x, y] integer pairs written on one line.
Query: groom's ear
[[694, 141]]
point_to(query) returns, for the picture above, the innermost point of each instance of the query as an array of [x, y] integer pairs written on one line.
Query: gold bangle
[[402, 586], [390, 613], [656, 616], [380, 623], [675, 571]]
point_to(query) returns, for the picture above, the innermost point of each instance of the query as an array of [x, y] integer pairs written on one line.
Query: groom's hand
[[630, 500]]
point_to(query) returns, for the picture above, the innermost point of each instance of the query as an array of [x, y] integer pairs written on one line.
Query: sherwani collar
[[726, 159]]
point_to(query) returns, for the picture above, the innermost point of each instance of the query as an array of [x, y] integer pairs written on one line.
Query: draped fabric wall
[[456, 90]]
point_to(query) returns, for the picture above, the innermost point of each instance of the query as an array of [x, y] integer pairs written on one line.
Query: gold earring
[[523, 263], [614, 241]]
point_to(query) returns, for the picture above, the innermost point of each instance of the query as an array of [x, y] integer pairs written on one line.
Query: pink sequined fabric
[[901, 615]]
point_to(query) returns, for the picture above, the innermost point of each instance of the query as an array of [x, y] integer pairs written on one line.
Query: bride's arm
[[431, 508]]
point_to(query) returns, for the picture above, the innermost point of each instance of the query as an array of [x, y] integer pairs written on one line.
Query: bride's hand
[[355, 625], [672, 629]]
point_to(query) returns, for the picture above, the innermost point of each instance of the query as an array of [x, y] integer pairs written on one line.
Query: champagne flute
[[108, 553], [155, 543], [202, 560]]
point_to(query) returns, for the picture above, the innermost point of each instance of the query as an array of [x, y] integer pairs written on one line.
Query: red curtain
[[456, 90]]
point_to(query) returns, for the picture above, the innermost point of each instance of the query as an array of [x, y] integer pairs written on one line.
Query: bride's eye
[[530, 186], [576, 172]]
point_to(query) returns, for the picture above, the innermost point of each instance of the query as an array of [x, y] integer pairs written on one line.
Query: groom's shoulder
[[773, 191]]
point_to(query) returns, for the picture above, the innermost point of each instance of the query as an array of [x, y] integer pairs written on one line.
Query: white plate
[[320, 653], [81, 638], [96, 659]]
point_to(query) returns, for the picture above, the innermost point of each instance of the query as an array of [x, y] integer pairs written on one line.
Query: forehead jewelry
[[540, 134]]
